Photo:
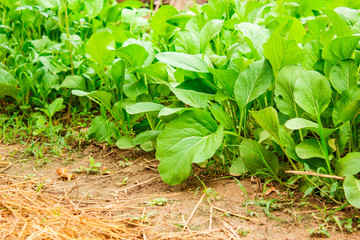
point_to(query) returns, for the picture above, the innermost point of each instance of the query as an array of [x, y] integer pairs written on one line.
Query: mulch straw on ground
[[27, 213]]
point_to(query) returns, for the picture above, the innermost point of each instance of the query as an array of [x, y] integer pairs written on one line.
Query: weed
[[94, 168], [143, 217], [124, 181], [320, 231], [243, 232], [211, 194], [126, 163], [157, 202], [241, 187], [29, 176], [268, 205]]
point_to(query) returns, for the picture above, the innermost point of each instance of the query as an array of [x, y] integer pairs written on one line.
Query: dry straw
[[27, 213]]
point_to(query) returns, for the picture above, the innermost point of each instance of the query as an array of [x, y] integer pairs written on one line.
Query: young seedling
[[124, 181], [157, 202], [94, 168], [320, 231], [211, 194]]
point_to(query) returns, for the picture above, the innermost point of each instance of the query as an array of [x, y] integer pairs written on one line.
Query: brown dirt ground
[[294, 217]]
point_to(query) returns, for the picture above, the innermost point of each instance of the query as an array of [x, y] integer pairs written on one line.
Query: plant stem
[[231, 133], [323, 143], [240, 124], [68, 37]]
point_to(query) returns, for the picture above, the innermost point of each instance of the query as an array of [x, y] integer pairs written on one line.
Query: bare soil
[[132, 187]]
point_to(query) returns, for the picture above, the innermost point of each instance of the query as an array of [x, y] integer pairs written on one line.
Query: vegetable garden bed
[[259, 89]]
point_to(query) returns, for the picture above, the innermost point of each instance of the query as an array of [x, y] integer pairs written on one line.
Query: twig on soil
[[211, 217], [7, 167], [184, 222], [139, 184], [37, 172], [236, 215], [234, 234], [310, 173], [110, 175], [193, 212]]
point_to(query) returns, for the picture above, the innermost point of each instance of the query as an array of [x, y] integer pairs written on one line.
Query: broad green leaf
[[49, 81], [348, 165], [268, 120], [159, 22], [291, 29], [125, 143], [146, 136], [156, 72], [192, 98], [180, 20], [144, 107], [306, 7], [284, 90], [309, 148], [197, 84], [341, 29], [54, 107], [288, 142], [340, 49], [74, 4], [343, 76], [238, 167], [93, 7], [97, 48], [48, 64], [102, 129], [312, 92], [118, 75], [282, 52], [209, 31], [48, 3], [301, 123], [118, 31], [252, 82], [256, 157], [319, 31], [347, 107], [147, 146], [187, 42], [147, 45], [131, 4], [352, 190], [168, 114], [215, 8], [254, 34], [134, 89], [134, 54], [344, 136], [134, 17], [100, 97], [184, 61], [193, 137], [223, 117], [312, 54], [8, 85], [226, 78], [73, 82], [349, 15]]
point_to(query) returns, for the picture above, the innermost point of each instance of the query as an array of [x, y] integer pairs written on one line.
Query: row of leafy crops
[[261, 86]]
